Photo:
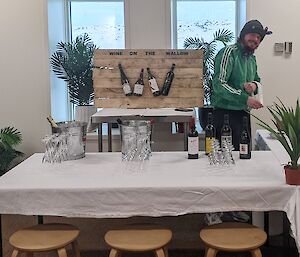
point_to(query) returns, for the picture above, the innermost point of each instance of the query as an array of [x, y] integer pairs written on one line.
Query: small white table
[[111, 115], [264, 141]]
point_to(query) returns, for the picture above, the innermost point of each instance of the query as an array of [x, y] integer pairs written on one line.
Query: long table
[[101, 185]]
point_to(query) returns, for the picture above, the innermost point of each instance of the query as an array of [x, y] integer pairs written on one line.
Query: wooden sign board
[[186, 89]]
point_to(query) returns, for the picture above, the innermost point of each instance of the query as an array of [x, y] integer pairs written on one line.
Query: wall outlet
[[279, 47], [288, 47]]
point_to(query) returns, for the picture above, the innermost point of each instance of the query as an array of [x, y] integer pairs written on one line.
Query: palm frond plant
[[9, 138], [223, 36], [72, 62], [287, 131]]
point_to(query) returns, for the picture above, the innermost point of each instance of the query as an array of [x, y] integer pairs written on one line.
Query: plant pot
[[84, 112], [292, 177]]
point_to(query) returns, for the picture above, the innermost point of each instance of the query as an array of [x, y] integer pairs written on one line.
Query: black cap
[[254, 26]]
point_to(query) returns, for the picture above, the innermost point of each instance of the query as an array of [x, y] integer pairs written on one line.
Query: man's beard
[[247, 49]]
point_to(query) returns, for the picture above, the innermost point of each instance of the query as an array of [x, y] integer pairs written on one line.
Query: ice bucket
[[76, 139], [135, 140]]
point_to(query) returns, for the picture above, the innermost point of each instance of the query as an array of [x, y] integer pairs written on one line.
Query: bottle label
[[228, 139], [153, 85], [208, 144], [193, 145], [244, 149], [126, 88], [138, 89]]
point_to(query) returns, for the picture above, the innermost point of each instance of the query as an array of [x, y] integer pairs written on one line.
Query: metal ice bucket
[[76, 139], [135, 140]]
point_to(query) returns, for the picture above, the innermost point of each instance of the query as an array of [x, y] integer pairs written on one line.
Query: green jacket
[[232, 70]]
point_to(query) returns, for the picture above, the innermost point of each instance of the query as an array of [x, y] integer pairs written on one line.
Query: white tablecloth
[[101, 186]]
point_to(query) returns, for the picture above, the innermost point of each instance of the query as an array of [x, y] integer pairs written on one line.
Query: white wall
[[148, 24], [279, 73], [24, 76]]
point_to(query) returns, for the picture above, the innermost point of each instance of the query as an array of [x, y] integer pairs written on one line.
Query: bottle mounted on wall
[[139, 85], [125, 82], [153, 83], [168, 81]]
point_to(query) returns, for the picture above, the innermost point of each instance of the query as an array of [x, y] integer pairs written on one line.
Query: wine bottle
[[193, 141], [125, 82], [139, 85], [245, 141], [168, 81], [52, 122], [210, 134], [153, 84], [226, 132]]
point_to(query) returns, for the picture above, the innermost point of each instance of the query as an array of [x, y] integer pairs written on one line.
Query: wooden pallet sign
[[186, 89]]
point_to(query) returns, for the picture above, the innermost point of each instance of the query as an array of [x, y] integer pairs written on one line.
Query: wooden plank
[[118, 92], [186, 89], [155, 102], [148, 62], [116, 83], [148, 53], [133, 74]]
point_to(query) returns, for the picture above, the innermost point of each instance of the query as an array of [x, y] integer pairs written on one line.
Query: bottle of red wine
[[210, 134], [226, 132], [153, 84], [168, 81], [245, 141], [193, 142], [139, 85], [125, 82]]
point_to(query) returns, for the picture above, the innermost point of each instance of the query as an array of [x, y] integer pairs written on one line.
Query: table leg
[[186, 131], [100, 138], [1, 245], [109, 141], [40, 219], [286, 236], [266, 226]]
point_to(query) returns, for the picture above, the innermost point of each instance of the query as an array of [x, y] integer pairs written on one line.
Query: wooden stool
[[233, 237], [138, 240], [45, 237]]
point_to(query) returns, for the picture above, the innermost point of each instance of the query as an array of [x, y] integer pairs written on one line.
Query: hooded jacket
[[232, 69]]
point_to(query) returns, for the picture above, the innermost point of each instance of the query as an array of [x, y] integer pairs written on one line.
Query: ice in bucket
[[135, 140], [76, 137]]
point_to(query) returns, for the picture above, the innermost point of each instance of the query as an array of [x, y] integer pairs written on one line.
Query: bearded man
[[235, 80]]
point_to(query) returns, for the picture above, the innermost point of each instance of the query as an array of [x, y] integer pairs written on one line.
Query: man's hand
[[253, 103], [250, 87]]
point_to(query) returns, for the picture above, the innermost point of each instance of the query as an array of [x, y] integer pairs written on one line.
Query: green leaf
[[287, 121], [72, 62]]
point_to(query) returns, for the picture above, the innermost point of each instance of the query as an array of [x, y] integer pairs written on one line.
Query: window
[[201, 18], [102, 20]]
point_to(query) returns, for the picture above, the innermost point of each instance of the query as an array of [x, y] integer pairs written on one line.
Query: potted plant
[[9, 138], [223, 36], [73, 63], [287, 132]]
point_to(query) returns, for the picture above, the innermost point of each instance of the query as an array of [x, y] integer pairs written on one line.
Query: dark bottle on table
[[153, 84], [210, 134], [193, 142], [226, 132], [139, 85], [125, 82], [168, 81], [245, 141]]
